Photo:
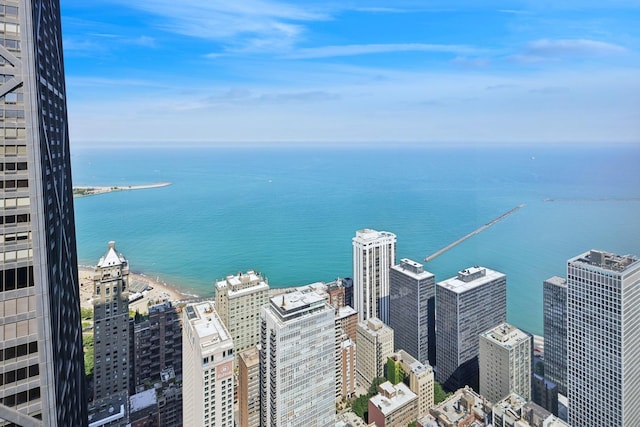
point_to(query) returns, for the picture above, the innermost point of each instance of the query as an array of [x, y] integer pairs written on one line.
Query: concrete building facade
[[412, 311], [394, 405], [375, 344], [464, 408], [374, 253], [111, 326], [505, 362], [207, 367], [515, 410], [41, 334], [467, 305], [603, 355], [156, 359], [297, 361], [347, 367], [249, 388], [555, 331], [421, 379], [238, 302]]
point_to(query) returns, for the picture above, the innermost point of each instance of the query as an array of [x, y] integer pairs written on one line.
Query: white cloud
[[572, 47], [367, 49]]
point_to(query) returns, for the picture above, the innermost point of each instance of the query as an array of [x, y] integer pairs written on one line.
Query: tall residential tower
[[412, 311], [111, 326], [555, 331], [40, 336], [297, 361], [505, 362], [603, 332], [207, 368], [470, 303], [238, 302], [374, 253]]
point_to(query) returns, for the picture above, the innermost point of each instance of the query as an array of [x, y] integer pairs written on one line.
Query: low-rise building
[[515, 410], [394, 405], [420, 378], [465, 408]]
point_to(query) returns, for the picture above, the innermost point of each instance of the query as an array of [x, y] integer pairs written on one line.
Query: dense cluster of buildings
[[257, 356], [303, 350]]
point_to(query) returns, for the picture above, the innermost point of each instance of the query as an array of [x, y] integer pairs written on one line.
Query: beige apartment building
[[238, 301], [375, 344], [505, 362], [207, 368]]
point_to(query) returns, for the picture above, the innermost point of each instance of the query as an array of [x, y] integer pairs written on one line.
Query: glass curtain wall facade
[[41, 358]]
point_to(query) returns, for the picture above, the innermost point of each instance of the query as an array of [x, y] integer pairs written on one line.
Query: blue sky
[[177, 71]]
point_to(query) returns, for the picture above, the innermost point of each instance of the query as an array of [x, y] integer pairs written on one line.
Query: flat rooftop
[[399, 394], [412, 269], [367, 235], [606, 260], [297, 303], [557, 281], [471, 278], [242, 283], [506, 335], [206, 323]]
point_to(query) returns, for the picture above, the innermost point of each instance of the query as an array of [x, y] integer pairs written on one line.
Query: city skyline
[[321, 71]]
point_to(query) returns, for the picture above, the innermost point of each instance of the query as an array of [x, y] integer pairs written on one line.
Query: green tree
[[87, 347], [373, 390], [86, 313], [360, 406], [439, 395]]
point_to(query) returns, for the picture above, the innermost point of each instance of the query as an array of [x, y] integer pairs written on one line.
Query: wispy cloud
[[368, 49], [477, 62], [248, 24], [572, 47]]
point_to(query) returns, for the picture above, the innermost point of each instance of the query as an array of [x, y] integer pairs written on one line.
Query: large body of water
[[291, 212]]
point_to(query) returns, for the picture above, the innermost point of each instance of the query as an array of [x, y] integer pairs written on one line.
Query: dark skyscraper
[[412, 310], [555, 332], [40, 337]]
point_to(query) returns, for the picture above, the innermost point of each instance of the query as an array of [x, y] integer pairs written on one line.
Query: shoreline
[[157, 291], [88, 190]]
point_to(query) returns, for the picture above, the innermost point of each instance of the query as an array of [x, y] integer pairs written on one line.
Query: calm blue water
[[290, 213]]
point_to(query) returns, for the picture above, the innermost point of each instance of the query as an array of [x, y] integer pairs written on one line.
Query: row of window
[[20, 398], [15, 219], [13, 150], [18, 351], [19, 374], [13, 166], [12, 184]]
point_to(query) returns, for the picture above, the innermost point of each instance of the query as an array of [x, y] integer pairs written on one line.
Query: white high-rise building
[[207, 368], [297, 361], [238, 302], [374, 253], [505, 362], [603, 339]]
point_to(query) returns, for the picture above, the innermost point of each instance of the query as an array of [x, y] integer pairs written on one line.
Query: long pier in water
[[473, 233]]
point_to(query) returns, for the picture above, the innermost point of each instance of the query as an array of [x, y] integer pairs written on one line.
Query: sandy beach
[[157, 290]]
